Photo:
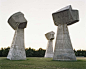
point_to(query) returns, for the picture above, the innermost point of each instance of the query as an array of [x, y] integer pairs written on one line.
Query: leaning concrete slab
[[63, 47], [49, 50], [17, 50]]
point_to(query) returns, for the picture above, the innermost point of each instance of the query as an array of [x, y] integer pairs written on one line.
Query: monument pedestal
[[17, 50], [49, 50], [63, 47]]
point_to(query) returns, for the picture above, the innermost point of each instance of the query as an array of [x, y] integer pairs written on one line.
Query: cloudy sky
[[39, 16]]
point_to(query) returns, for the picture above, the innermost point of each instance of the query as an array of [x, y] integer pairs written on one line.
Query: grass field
[[42, 63]]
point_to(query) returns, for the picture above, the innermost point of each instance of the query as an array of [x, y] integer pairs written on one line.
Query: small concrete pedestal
[[49, 50]]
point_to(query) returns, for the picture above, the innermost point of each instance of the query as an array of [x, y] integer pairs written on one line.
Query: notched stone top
[[17, 20], [66, 15], [50, 35]]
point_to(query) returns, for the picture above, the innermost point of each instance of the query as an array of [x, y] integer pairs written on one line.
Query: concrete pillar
[[63, 47], [49, 49], [17, 50]]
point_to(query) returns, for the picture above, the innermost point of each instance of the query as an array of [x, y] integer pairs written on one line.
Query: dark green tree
[[29, 52], [1, 52], [5, 52]]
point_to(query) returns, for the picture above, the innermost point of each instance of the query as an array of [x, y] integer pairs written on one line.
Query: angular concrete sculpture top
[[66, 15], [50, 35], [17, 20]]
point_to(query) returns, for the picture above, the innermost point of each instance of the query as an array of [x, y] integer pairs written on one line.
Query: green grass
[[42, 63]]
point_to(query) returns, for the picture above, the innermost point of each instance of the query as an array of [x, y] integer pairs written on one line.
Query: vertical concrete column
[[49, 49], [63, 46], [17, 50]]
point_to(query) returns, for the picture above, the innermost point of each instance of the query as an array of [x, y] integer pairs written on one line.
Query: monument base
[[63, 47], [49, 50], [17, 50]]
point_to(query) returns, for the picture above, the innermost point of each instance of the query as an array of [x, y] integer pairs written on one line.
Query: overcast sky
[[39, 16]]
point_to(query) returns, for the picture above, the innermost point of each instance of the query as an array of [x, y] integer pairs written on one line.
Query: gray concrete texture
[[65, 15], [17, 20], [63, 46], [50, 35], [17, 50], [49, 49]]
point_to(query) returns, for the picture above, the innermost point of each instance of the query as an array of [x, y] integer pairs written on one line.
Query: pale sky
[[39, 16]]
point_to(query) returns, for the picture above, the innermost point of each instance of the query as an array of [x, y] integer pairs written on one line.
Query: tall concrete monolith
[[63, 46], [49, 50], [17, 51]]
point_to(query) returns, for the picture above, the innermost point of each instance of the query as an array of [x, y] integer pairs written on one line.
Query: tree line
[[37, 53], [29, 52]]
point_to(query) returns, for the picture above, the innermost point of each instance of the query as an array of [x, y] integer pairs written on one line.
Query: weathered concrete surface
[[17, 20], [50, 35], [17, 50], [63, 47], [49, 50], [65, 16]]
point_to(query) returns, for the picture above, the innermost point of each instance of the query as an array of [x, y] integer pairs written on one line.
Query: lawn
[[42, 63]]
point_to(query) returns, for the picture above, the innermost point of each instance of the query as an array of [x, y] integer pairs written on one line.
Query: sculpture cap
[[50, 35], [65, 15], [17, 20]]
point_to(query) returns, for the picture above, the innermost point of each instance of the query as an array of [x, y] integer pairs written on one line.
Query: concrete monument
[[49, 50], [17, 50], [63, 47]]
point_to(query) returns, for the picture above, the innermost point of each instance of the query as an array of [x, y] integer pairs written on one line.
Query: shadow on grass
[[46, 59], [68, 61], [13, 60], [81, 60]]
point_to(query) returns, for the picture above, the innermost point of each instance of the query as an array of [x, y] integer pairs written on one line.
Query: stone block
[[50, 35], [17, 20], [65, 15]]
